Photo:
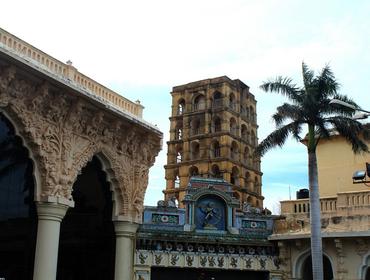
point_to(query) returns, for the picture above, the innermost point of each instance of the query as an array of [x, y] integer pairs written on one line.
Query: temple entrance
[[87, 238], [307, 269], [165, 273], [18, 218]]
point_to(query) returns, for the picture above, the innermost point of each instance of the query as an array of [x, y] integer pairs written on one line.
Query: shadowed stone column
[[50, 216], [125, 238]]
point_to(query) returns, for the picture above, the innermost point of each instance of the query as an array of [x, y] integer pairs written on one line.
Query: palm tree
[[311, 108]]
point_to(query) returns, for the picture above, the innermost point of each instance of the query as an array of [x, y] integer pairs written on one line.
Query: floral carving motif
[[64, 132]]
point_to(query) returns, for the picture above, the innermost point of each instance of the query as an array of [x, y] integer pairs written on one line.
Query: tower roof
[[210, 81]]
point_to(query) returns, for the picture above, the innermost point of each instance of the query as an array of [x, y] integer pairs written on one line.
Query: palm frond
[[307, 74], [351, 130], [286, 111], [322, 129], [326, 83], [284, 86], [277, 138]]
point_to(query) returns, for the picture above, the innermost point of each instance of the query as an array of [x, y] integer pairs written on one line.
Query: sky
[[143, 48]]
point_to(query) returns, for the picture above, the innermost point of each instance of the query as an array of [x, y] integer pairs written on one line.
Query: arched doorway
[[307, 268], [18, 218], [87, 238]]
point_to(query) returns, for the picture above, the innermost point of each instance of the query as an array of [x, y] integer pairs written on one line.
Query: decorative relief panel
[[165, 219], [64, 132], [205, 260]]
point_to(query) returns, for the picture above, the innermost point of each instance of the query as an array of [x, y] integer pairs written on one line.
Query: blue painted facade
[[212, 218]]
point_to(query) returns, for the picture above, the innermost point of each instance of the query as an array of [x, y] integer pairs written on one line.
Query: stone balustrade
[[67, 72], [347, 210], [351, 202]]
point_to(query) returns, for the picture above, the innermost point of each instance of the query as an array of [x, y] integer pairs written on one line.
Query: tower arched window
[[235, 176], [177, 181], [244, 132], [217, 124], [179, 133], [199, 103], [195, 126], [217, 100], [234, 150], [216, 150], [233, 126], [179, 155], [216, 173], [246, 155], [195, 150], [232, 101], [181, 107], [256, 185], [247, 180], [193, 171]]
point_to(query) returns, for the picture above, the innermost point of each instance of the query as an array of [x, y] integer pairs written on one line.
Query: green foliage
[[310, 107]]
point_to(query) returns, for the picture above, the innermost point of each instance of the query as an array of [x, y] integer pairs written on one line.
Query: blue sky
[[142, 49]]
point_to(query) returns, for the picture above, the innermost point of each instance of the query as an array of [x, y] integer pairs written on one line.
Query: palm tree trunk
[[316, 242]]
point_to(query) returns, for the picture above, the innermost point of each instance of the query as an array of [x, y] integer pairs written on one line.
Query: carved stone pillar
[[341, 270], [46, 257], [125, 246]]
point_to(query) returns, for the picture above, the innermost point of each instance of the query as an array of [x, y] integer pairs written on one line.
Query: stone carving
[[220, 261], [174, 259], [189, 260], [171, 203], [157, 259], [361, 247], [277, 262], [248, 263], [342, 272], [233, 262], [211, 261], [249, 209], [262, 263], [203, 260], [64, 132], [142, 258]]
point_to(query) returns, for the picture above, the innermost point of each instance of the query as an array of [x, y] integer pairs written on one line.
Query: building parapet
[[345, 203], [341, 213], [66, 72]]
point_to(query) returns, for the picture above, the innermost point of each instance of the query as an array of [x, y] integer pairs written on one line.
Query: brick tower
[[213, 134]]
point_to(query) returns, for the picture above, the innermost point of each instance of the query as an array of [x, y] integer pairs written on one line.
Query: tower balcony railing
[[232, 106], [199, 106], [217, 152], [217, 103]]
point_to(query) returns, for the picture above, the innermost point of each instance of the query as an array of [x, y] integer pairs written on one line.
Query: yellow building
[[213, 133], [336, 164], [345, 218]]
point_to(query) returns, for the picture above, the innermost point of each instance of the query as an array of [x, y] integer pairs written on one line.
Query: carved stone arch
[[364, 269], [206, 192], [301, 258], [111, 167], [29, 144]]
